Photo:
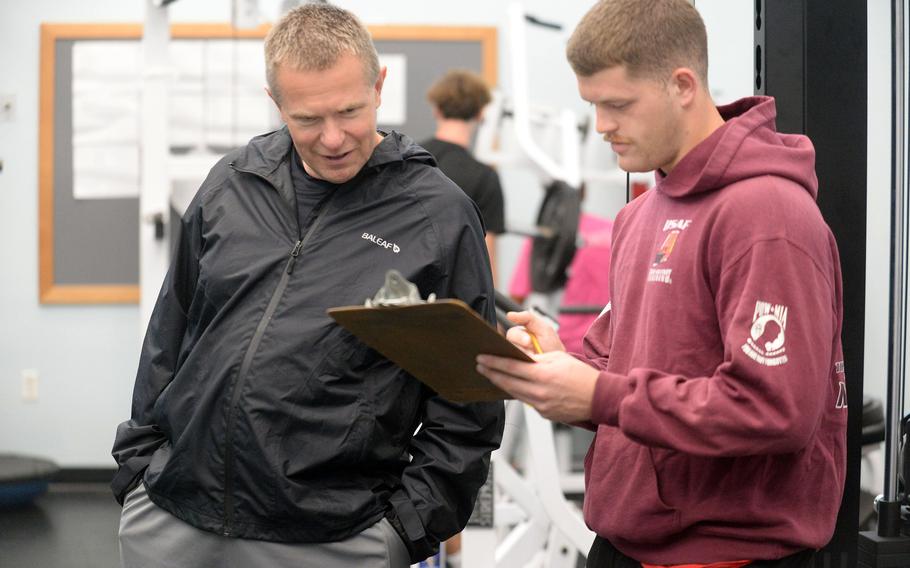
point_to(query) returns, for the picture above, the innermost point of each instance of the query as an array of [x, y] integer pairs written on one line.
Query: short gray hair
[[312, 37]]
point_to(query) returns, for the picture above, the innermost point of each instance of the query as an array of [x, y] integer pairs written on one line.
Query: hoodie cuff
[[609, 393]]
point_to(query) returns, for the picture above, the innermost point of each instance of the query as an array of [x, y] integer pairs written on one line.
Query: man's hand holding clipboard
[[447, 346], [557, 384]]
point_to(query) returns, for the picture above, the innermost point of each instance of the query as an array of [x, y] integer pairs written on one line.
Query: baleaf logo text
[[379, 241]]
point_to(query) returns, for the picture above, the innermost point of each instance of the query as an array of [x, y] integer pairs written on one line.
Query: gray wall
[[86, 355]]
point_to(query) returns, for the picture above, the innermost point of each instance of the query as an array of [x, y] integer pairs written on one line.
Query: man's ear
[[684, 84], [274, 100], [378, 86]]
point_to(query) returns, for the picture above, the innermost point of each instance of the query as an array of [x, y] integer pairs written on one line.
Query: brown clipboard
[[436, 342]]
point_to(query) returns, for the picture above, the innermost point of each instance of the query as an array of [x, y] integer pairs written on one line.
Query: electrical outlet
[[29, 385]]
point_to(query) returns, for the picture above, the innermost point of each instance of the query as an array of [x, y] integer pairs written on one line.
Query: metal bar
[[897, 312], [521, 105], [155, 180]]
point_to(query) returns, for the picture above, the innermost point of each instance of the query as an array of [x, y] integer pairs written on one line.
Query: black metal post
[[811, 55]]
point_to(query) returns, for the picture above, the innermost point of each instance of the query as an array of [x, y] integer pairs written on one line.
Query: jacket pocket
[[326, 420]]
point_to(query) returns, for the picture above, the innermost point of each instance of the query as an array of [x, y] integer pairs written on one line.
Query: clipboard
[[436, 342]]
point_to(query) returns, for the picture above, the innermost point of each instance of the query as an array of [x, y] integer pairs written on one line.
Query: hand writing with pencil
[[558, 385]]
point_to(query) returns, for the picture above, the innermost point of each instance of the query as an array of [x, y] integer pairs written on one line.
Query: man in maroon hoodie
[[715, 380]]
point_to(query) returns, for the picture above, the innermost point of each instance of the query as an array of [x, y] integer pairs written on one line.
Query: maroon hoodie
[[721, 404]]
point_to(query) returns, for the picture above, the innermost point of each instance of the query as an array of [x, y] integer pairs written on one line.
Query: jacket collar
[[266, 154]]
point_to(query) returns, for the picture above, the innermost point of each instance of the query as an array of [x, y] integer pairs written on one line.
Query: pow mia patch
[[767, 336]]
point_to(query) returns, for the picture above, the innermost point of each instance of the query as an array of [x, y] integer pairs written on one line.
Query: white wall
[[86, 355], [878, 201]]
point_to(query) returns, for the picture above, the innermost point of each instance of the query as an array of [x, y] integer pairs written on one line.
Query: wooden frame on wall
[[51, 290]]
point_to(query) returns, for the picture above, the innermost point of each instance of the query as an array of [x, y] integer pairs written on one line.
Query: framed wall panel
[[88, 245]]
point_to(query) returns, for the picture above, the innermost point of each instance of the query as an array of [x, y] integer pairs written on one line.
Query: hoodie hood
[[746, 146], [398, 147]]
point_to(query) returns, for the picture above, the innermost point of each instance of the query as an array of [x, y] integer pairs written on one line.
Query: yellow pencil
[[535, 342]]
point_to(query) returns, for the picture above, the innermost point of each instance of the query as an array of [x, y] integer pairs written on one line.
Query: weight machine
[[534, 523], [889, 544]]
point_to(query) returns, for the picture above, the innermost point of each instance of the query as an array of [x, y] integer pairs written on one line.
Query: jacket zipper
[[245, 368]]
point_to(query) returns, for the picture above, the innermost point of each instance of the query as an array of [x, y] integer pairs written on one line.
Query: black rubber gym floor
[[73, 525], [70, 526]]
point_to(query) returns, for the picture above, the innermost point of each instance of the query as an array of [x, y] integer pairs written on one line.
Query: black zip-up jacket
[[254, 415]]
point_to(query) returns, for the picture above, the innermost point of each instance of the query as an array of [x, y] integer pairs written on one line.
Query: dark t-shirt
[[479, 181], [309, 191]]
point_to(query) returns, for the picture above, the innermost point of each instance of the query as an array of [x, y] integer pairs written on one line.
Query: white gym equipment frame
[[154, 180], [166, 181], [541, 527]]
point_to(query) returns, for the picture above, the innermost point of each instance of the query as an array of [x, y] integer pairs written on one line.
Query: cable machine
[[812, 56], [889, 545]]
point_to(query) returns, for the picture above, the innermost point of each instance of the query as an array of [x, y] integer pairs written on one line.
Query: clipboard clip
[[397, 291]]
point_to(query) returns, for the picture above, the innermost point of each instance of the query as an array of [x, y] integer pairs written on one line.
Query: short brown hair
[[313, 37], [459, 94], [650, 38]]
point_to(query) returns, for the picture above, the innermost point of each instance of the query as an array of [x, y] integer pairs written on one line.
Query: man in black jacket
[[261, 433]]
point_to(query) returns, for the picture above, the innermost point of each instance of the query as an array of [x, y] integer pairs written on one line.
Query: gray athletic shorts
[[150, 537]]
